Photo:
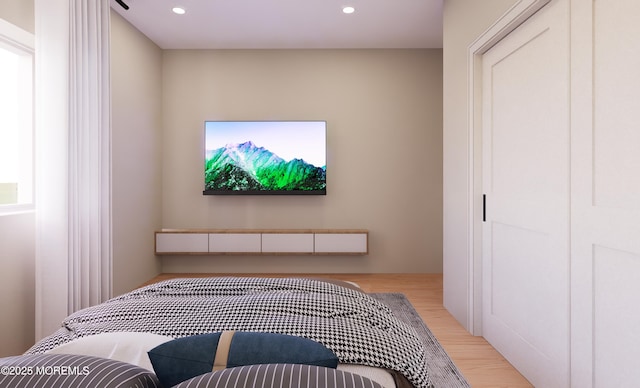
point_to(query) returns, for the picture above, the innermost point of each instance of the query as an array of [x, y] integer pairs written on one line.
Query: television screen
[[265, 157]]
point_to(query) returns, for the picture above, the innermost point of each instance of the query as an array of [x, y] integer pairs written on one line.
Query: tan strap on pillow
[[222, 353]]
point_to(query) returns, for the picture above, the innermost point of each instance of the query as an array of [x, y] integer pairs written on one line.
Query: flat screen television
[[265, 158]]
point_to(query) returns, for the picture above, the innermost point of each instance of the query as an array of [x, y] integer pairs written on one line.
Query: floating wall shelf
[[262, 242]]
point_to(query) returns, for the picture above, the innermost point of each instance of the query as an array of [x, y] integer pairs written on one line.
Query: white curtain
[[73, 159]]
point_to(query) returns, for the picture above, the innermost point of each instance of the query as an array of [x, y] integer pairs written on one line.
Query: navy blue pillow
[[183, 358]]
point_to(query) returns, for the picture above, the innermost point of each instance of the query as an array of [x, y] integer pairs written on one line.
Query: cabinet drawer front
[[182, 242], [287, 243], [234, 242], [347, 243]]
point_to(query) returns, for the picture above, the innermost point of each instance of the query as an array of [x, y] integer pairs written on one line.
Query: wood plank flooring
[[478, 361]]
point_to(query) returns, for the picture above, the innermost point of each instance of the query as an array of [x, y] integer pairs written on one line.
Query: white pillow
[[130, 347]]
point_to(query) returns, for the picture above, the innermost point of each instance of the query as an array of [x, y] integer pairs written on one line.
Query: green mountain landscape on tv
[[246, 167]]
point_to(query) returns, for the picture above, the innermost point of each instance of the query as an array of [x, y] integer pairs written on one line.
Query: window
[[16, 119]]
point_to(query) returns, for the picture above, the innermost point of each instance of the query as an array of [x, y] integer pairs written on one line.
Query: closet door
[[606, 194], [526, 153]]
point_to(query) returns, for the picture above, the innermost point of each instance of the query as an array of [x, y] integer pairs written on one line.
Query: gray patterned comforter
[[356, 327]]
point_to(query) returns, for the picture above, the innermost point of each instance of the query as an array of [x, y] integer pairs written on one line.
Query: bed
[[368, 341]]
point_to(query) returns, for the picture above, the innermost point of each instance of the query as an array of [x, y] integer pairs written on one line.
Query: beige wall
[[384, 164], [17, 242], [17, 283], [136, 87], [19, 12], [464, 21]]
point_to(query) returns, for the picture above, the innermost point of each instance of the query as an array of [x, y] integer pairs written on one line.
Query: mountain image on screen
[[246, 167]]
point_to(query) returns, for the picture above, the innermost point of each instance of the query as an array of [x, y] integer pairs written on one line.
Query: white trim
[[17, 36], [515, 16], [9, 210]]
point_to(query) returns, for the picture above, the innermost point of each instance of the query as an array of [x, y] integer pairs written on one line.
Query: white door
[[606, 194], [526, 154]]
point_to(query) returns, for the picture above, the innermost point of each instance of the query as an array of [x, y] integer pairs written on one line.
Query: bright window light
[[16, 128]]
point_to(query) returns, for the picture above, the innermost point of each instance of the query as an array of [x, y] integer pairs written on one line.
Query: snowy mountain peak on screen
[[245, 166]]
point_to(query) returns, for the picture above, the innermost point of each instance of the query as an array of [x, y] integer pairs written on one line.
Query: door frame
[[516, 15]]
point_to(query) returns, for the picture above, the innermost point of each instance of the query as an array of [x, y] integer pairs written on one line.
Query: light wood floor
[[478, 361]]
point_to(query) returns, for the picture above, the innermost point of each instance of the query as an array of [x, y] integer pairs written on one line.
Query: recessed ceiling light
[[348, 9], [179, 10]]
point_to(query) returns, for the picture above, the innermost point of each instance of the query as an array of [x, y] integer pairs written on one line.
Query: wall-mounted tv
[[265, 157]]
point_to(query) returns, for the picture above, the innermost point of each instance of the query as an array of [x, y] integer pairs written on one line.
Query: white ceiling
[[287, 24]]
